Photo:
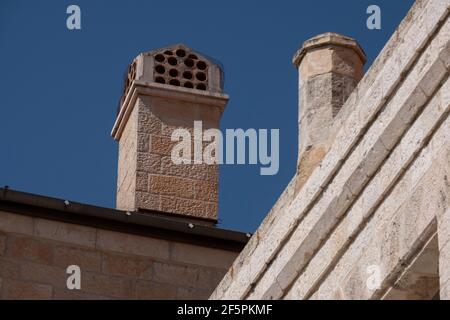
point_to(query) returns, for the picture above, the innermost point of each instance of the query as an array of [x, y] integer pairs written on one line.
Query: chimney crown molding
[[168, 92], [328, 39]]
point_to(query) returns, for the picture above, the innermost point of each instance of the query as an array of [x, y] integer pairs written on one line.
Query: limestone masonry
[[366, 216], [162, 242], [158, 98]]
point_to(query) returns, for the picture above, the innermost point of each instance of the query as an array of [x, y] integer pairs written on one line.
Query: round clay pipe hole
[[189, 62], [200, 76], [172, 61], [201, 86], [181, 53], [160, 80], [160, 69], [201, 65], [160, 58], [173, 72], [187, 75]]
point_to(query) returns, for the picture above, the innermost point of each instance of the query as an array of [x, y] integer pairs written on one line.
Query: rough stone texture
[[376, 190], [35, 254], [126, 177], [148, 179], [16, 223], [59, 231], [444, 247], [330, 66], [132, 244], [378, 194], [420, 279], [15, 289], [2, 243]]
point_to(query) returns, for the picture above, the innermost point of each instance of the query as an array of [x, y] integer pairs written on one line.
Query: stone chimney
[[167, 89], [330, 66]]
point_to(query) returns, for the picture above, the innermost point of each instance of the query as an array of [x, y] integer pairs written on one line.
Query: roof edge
[[138, 223]]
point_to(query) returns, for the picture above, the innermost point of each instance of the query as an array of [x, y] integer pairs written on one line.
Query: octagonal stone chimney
[[330, 66]]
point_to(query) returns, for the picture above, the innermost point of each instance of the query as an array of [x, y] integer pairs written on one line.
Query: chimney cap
[[175, 67], [328, 39], [182, 51]]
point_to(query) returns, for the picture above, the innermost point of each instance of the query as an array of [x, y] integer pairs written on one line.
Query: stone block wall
[[126, 174], [379, 195], [184, 189], [444, 247], [35, 253], [148, 179]]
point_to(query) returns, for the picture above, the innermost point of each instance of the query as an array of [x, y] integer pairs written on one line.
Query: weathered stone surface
[[121, 266], [150, 163], [201, 172], [2, 243], [405, 233], [86, 259], [152, 109], [172, 186], [190, 254], [297, 257], [131, 244], [66, 294], [30, 249], [16, 289], [148, 201], [330, 66], [142, 181], [444, 223], [444, 263], [147, 290], [445, 291], [124, 265], [11, 222], [103, 285], [43, 274], [187, 207], [54, 230], [365, 203], [206, 191], [126, 178], [192, 294], [9, 268]]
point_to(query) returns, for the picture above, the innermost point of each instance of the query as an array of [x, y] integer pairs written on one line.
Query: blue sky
[[60, 88]]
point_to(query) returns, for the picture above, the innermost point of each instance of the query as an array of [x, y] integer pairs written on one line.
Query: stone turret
[[330, 66]]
